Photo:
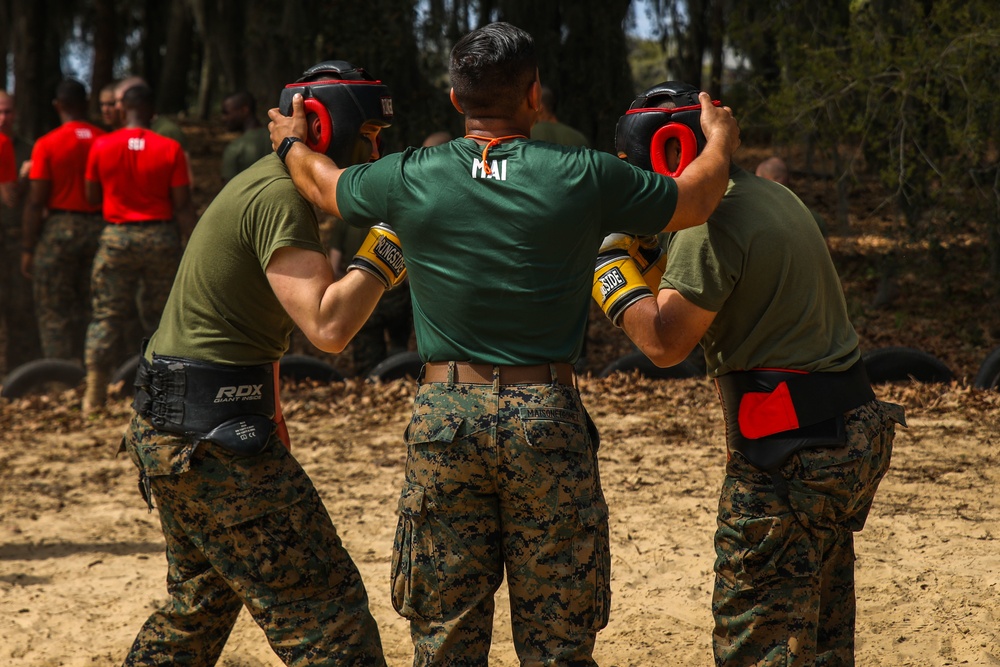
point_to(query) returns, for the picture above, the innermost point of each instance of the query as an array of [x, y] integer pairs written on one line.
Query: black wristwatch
[[285, 146]]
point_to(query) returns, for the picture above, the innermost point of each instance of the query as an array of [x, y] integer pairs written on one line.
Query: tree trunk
[[6, 28], [105, 47], [36, 66], [173, 88]]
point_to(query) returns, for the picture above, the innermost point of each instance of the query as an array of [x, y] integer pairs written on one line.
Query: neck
[[492, 128]]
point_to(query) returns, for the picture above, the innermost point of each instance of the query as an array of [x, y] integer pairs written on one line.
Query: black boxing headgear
[[642, 133], [344, 98]]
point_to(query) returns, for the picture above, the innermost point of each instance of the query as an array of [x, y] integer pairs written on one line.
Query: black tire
[[903, 364], [396, 367], [988, 376], [41, 376], [125, 373], [299, 367], [637, 361]]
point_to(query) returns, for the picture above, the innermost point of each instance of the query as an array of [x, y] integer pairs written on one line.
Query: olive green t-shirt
[[762, 265], [168, 128], [244, 150], [501, 265], [558, 133], [221, 307]]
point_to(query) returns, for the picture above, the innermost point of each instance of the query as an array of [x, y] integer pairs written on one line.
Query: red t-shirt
[[137, 168], [8, 163], [61, 158]]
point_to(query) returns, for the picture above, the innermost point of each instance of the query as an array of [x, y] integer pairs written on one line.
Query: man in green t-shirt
[[244, 525], [808, 442], [239, 114], [499, 234], [548, 128]]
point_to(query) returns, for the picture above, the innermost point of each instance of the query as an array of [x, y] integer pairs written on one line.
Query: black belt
[[232, 406], [804, 410]]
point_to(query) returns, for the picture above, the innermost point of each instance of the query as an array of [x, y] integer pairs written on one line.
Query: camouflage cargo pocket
[[764, 552], [445, 554], [285, 555], [414, 575], [593, 555], [554, 428]]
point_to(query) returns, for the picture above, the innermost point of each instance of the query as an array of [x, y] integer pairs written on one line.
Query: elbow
[[332, 339], [662, 355]]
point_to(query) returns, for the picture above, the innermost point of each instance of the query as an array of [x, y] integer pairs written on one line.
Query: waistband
[[771, 414], [64, 211], [188, 396], [137, 223], [463, 372]]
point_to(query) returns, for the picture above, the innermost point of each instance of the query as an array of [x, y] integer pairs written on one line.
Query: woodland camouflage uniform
[[254, 531]]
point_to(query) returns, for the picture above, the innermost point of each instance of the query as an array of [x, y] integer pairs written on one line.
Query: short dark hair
[[71, 94], [491, 69], [242, 99], [139, 96]]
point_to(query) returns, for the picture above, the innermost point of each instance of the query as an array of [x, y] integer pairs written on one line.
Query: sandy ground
[[82, 565]]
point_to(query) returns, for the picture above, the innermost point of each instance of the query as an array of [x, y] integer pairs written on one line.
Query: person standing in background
[[548, 128], [141, 179], [775, 169], [17, 307], [239, 114], [58, 248], [106, 100]]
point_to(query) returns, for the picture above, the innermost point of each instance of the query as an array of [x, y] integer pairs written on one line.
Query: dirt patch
[[82, 565]]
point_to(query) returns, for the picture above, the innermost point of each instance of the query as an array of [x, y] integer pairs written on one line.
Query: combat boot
[[96, 393]]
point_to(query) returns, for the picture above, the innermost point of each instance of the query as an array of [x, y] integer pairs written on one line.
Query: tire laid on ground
[[299, 367], [988, 376], [125, 373], [902, 364], [396, 367], [38, 375], [637, 361]]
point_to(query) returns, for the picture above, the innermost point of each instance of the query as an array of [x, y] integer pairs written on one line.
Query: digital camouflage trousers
[[134, 264], [784, 588], [253, 532], [63, 261], [501, 478]]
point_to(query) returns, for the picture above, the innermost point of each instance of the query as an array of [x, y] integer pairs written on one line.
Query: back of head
[[341, 98], [242, 100], [548, 99], [492, 68], [774, 169], [72, 96], [139, 98], [667, 111]]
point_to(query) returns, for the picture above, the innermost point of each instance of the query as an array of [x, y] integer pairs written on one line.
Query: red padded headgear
[[344, 98], [642, 133]]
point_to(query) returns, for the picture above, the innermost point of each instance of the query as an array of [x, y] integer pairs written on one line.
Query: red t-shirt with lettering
[[61, 158], [137, 168], [8, 163]]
